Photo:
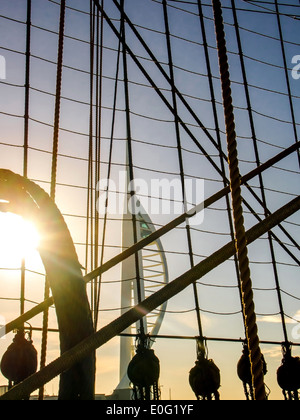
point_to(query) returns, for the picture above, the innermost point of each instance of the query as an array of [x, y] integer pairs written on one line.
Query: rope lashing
[[235, 186]]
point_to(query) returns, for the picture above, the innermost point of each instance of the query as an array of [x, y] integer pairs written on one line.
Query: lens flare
[[18, 239]]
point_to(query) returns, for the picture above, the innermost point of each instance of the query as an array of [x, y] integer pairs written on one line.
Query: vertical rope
[[130, 162], [218, 134], [89, 202], [26, 136], [181, 166], [108, 177], [99, 89], [240, 236], [287, 76], [58, 98], [27, 88], [258, 163], [53, 172]]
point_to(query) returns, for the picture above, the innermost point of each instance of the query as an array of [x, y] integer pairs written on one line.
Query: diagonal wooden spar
[[83, 349], [154, 236]]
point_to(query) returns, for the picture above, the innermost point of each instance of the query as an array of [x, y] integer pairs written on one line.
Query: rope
[[90, 185], [109, 170], [260, 176], [26, 136], [58, 97], [181, 164], [287, 76], [218, 134], [143, 326], [98, 144], [27, 87], [53, 173], [240, 236]]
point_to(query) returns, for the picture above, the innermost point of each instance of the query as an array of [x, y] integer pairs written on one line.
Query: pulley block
[[144, 368], [288, 374], [20, 359], [205, 379]]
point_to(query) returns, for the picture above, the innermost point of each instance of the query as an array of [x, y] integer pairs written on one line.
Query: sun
[[19, 239]]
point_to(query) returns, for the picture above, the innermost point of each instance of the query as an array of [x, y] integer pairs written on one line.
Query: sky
[[155, 157]]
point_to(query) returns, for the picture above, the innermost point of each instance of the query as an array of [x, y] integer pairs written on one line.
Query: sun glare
[[18, 239]]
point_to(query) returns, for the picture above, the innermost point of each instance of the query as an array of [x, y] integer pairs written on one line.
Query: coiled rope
[[236, 195]]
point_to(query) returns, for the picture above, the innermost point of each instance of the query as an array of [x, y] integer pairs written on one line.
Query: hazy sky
[[155, 156]]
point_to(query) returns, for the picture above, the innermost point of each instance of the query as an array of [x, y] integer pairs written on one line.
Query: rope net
[[171, 99]]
